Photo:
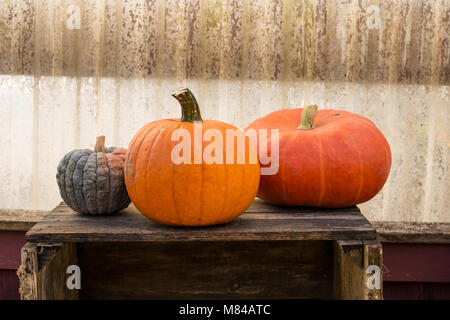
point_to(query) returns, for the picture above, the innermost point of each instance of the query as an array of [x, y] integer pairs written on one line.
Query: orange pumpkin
[[189, 193], [327, 158]]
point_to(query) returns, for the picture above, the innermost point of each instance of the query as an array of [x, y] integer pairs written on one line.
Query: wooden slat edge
[[20, 220], [412, 232], [352, 260], [347, 275], [42, 272], [28, 273], [367, 234], [373, 256]]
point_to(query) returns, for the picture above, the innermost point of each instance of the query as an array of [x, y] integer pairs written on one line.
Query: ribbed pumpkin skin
[[186, 194], [343, 161], [92, 183]]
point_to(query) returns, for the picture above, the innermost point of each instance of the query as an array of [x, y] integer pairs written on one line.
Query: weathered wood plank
[[206, 270], [412, 232], [220, 262], [43, 275], [20, 220], [351, 270], [276, 223], [347, 278], [28, 274], [373, 256]]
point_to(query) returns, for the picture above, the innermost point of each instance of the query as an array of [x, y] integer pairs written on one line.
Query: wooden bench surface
[[19, 220], [261, 221]]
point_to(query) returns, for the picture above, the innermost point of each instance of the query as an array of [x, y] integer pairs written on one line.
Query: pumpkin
[[188, 193], [92, 182], [327, 158]]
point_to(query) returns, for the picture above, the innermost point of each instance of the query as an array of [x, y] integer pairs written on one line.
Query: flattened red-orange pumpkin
[[327, 158]]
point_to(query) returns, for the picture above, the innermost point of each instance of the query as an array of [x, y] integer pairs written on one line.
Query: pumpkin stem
[[307, 118], [190, 111], [100, 144]]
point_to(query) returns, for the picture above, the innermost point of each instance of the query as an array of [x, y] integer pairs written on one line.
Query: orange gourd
[[327, 158], [189, 193]]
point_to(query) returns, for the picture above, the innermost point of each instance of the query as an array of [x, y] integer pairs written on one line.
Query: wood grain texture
[[256, 256], [206, 270], [412, 232], [43, 275], [373, 256], [19, 220], [262, 222], [351, 260], [28, 274]]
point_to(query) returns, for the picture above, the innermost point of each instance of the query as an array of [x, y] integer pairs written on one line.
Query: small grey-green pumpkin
[[92, 182]]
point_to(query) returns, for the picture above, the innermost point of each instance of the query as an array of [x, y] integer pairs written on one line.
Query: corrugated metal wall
[[60, 86]]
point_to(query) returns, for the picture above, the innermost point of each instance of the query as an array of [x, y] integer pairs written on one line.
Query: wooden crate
[[267, 253]]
